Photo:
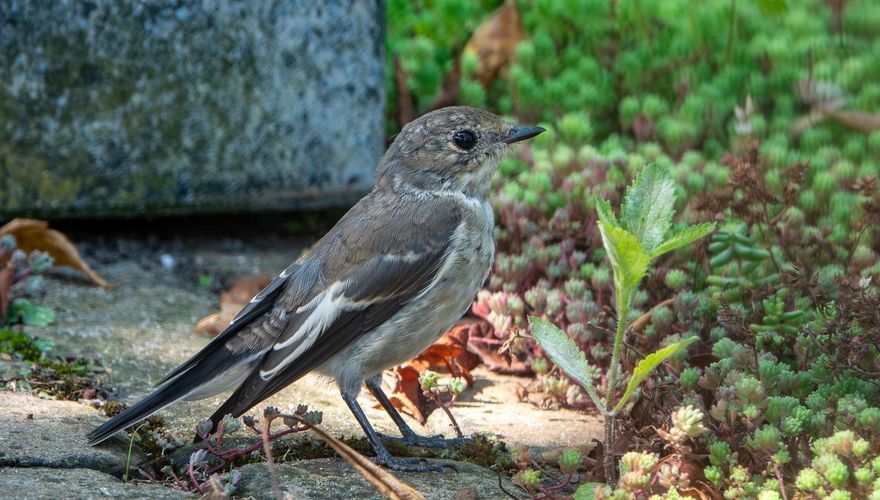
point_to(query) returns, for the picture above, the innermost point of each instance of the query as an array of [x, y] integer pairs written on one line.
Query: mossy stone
[[134, 108]]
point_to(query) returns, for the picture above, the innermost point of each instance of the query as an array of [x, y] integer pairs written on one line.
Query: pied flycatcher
[[395, 273]]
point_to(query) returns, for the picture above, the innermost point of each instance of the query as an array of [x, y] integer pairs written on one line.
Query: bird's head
[[456, 148]]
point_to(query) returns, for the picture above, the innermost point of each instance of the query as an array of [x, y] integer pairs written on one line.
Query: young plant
[[631, 243], [20, 278]]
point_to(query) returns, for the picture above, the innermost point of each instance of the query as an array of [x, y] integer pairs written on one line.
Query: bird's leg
[[374, 384], [383, 456]]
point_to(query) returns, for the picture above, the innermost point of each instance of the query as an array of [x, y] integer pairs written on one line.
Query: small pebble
[[167, 261]]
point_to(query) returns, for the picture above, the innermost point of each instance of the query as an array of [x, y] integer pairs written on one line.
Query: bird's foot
[[438, 441], [410, 464]]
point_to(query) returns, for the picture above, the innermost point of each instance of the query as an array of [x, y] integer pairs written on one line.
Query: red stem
[[449, 413], [192, 476], [235, 452], [547, 491]]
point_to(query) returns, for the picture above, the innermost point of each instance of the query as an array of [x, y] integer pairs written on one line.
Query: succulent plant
[[749, 106]]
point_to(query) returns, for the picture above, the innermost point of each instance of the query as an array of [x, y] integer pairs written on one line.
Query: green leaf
[[647, 208], [684, 237], [647, 365], [30, 314], [629, 261], [565, 353], [773, 6], [606, 213]]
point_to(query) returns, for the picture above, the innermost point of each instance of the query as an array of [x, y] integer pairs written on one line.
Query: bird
[[390, 278]]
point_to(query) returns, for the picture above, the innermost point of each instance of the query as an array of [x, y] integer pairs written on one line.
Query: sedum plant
[[631, 242]]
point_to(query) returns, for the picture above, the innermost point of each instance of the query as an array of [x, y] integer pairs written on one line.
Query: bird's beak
[[519, 133]]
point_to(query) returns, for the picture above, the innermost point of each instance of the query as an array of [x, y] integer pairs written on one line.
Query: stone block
[[167, 107]]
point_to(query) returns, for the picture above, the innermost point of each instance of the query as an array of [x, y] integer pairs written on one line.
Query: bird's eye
[[465, 139]]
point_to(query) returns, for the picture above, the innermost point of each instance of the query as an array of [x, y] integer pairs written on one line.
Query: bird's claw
[[436, 441]]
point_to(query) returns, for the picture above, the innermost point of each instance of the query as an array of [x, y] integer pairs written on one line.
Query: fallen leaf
[[31, 234], [449, 355], [231, 302], [5, 285], [495, 40], [406, 392]]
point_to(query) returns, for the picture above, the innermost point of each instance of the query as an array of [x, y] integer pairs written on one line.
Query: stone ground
[[144, 328]]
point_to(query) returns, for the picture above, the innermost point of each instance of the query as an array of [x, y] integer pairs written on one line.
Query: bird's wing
[[371, 267], [259, 305]]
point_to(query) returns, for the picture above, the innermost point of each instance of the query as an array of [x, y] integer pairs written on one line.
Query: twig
[[503, 489], [405, 111], [781, 482], [643, 320], [267, 448], [449, 92], [180, 484]]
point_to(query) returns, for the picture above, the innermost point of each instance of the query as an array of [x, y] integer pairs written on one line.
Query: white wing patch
[[325, 307]]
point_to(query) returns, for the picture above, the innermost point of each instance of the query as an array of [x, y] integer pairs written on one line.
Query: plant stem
[[611, 386], [610, 465], [449, 413], [267, 448], [192, 477], [130, 448], [730, 31]]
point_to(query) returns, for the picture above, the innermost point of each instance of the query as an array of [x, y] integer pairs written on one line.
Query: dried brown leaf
[[406, 395], [495, 40], [231, 302], [32, 234], [449, 354], [5, 285]]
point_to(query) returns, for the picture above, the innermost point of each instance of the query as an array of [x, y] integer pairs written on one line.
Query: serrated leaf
[[647, 365], [684, 237], [629, 261], [564, 353], [647, 208], [606, 213], [30, 314]]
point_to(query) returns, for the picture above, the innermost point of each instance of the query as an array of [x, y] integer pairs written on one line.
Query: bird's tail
[[215, 372], [155, 401]]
